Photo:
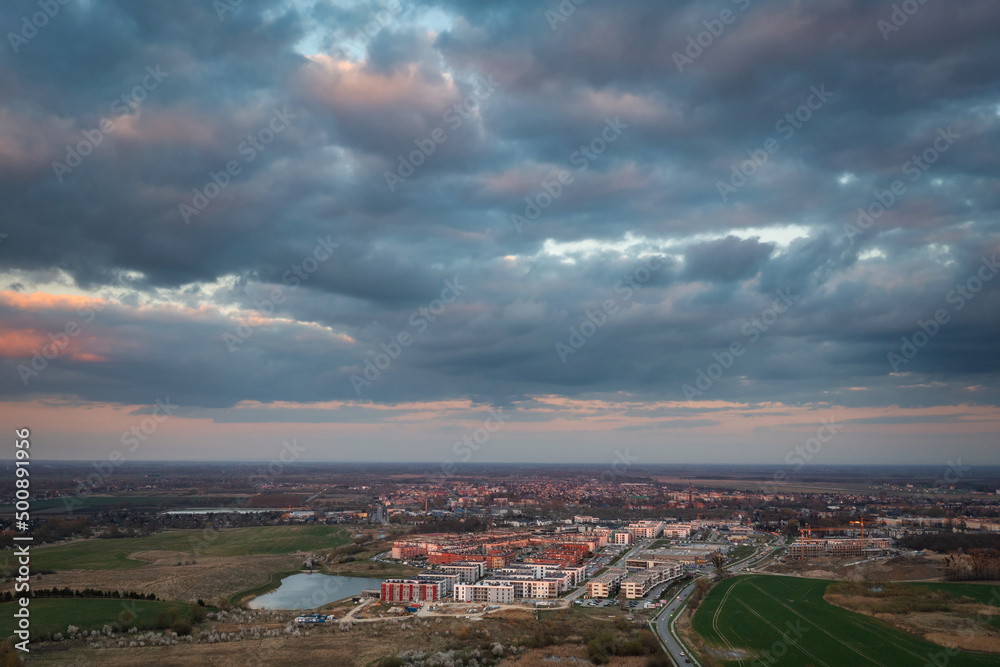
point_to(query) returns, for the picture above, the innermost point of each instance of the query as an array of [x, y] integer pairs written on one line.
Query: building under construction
[[838, 546]]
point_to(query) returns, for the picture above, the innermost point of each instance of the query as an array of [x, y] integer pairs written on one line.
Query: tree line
[[8, 596]]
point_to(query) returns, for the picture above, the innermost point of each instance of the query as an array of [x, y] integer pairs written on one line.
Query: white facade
[[468, 573], [679, 531], [646, 529], [493, 593]]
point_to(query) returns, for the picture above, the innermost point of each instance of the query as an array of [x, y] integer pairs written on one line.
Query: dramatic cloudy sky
[[258, 307]]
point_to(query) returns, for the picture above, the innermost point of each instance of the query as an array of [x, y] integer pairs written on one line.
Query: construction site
[[845, 545]]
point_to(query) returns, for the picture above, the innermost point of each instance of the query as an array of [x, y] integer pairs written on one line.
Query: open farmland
[[52, 615], [786, 620], [111, 554]]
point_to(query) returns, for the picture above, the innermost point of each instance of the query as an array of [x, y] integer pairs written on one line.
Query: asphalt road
[[665, 621], [620, 565]]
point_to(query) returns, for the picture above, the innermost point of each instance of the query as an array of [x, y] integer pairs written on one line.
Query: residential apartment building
[[605, 585], [488, 593], [837, 547], [448, 581], [645, 529], [637, 584], [531, 587], [411, 590], [678, 531], [469, 572]]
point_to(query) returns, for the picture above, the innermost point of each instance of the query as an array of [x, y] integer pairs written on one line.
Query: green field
[[756, 613], [112, 554], [741, 552], [52, 615]]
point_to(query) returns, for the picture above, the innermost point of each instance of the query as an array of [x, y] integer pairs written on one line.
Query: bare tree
[[719, 563]]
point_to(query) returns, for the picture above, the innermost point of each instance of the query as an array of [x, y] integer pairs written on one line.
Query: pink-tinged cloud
[[36, 301]]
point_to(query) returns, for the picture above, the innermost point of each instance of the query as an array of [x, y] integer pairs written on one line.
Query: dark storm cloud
[[653, 192], [727, 259]]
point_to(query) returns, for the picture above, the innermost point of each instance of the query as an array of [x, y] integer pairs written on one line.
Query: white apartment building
[[489, 593], [646, 529], [530, 587], [468, 572], [678, 531]]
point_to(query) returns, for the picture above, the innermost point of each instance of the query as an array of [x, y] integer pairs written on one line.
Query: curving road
[[673, 609]]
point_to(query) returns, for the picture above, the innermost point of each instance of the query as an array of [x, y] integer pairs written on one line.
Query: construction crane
[[805, 535], [862, 522]]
